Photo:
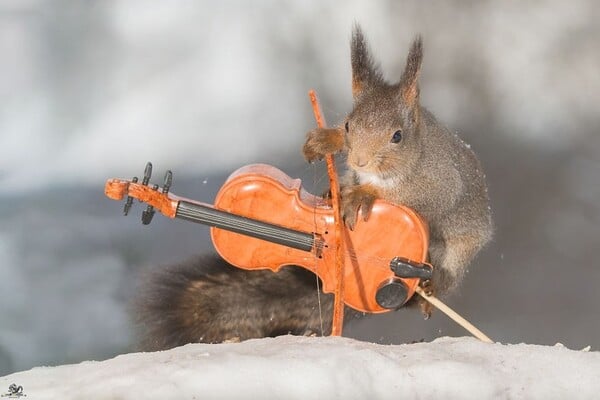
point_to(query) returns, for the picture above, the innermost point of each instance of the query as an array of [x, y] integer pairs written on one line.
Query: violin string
[[316, 262], [257, 230], [377, 262], [311, 243], [292, 237], [286, 235], [251, 227]]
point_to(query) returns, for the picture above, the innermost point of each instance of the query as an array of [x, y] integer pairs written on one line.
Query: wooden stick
[[454, 316], [338, 303]]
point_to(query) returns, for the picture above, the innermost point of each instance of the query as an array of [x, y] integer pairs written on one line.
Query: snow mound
[[290, 367]]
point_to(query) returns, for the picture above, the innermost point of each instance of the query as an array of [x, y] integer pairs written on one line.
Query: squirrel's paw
[[425, 306], [354, 198], [321, 141]]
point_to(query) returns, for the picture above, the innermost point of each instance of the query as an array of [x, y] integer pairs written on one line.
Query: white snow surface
[[289, 367]]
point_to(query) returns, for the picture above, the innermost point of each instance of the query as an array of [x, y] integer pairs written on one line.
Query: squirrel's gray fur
[[207, 300]]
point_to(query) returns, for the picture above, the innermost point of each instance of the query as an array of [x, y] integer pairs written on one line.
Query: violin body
[[265, 193]]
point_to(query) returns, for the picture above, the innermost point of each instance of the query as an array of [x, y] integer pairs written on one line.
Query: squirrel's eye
[[346, 126], [397, 137]]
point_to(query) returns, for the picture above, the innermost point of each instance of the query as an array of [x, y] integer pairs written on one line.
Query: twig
[[454, 315], [338, 302]]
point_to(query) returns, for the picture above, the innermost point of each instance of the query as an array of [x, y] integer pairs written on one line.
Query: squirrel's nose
[[358, 160], [361, 161]]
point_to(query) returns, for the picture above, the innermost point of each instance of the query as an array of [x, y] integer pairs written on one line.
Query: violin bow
[[338, 302]]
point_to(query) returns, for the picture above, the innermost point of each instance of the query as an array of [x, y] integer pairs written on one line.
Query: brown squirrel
[[396, 151]]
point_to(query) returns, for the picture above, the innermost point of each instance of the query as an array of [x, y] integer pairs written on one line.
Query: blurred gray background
[[94, 89]]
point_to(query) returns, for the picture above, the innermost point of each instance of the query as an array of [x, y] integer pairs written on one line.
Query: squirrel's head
[[382, 131]]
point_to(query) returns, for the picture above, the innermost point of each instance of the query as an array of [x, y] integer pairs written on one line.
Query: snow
[[289, 367]]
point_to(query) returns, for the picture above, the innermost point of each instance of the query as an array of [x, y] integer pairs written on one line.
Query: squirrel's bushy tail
[[207, 300]]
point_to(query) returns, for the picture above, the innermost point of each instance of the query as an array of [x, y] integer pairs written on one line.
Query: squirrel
[[207, 300], [396, 151]]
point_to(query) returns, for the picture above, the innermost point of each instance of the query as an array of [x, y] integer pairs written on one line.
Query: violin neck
[[207, 215]]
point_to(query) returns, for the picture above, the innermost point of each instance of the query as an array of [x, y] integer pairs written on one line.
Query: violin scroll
[[166, 204]]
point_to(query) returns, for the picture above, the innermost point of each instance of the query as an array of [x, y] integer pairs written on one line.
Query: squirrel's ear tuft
[[409, 88], [364, 70]]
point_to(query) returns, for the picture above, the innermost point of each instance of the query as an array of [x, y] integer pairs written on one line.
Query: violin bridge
[[319, 244]]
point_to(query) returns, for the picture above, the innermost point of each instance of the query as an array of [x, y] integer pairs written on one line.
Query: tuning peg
[[148, 213], [129, 201], [147, 173], [168, 181]]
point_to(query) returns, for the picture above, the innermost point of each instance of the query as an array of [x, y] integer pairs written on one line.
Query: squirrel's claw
[[355, 198], [310, 154], [321, 141], [425, 306]]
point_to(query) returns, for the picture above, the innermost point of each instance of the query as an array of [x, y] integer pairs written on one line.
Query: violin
[[264, 219]]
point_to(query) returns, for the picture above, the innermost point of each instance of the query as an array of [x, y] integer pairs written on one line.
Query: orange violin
[[263, 219]]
